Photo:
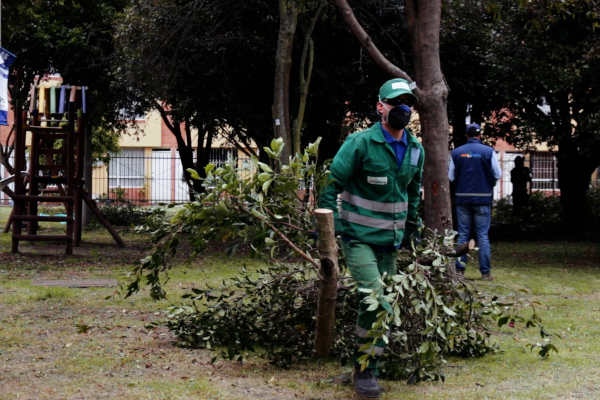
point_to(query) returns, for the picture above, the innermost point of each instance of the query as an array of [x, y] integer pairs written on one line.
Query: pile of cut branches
[[430, 312]]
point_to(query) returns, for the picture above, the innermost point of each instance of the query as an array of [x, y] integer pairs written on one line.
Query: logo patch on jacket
[[377, 180], [471, 155]]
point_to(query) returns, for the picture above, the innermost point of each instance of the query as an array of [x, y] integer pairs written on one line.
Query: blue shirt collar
[[390, 139]]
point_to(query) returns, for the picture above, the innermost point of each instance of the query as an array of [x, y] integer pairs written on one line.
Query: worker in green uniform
[[378, 173]]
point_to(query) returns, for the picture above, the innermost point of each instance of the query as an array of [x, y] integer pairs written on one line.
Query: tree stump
[[328, 281]]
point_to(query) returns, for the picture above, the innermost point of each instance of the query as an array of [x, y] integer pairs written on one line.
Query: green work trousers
[[367, 267]]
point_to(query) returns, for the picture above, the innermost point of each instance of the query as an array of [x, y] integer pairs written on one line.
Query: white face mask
[[388, 110]]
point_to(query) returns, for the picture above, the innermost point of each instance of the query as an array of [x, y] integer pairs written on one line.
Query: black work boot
[[365, 384]]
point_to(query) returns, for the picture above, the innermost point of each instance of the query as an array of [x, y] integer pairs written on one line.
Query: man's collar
[[390, 139]]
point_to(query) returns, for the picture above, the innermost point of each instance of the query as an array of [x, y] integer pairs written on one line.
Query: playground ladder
[[44, 171]]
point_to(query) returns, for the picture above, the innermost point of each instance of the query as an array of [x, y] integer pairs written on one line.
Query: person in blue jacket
[[475, 170]]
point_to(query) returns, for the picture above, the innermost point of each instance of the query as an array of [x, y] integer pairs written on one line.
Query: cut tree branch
[[302, 254]]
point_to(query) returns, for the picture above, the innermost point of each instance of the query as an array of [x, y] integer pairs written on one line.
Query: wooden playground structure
[[55, 175]]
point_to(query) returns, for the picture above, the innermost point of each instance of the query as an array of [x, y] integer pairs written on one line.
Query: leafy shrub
[[593, 211], [124, 214], [541, 219], [119, 211]]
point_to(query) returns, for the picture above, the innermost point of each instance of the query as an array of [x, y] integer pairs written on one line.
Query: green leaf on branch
[[257, 214], [209, 168], [277, 146], [263, 176], [449, 311], [266, 185], [193, 173]]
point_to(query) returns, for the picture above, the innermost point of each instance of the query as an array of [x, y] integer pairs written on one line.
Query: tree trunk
[[576, 163], [306, 67], [203, 154], [186, 150], [288, 15], [574, 176], [328, 276], [87, 172], [423, 19]]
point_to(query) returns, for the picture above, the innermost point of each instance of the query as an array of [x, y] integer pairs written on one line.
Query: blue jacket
[[475, 172]]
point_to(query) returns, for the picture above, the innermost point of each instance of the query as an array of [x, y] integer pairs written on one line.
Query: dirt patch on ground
[[109, 352], [74, 343]]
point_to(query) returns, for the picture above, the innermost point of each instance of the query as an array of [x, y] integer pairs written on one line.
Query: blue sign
[[6, 57]]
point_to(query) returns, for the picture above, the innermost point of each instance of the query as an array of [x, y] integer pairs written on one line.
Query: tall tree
[[545, 63], [305, 73], [72, 38], [465, 33], [33, 50], [423, 19], [288, 21], [286, 127], [197, 63]]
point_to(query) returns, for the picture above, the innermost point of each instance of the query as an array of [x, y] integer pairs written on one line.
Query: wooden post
[[19, 206], [328, 276], [78, 182]]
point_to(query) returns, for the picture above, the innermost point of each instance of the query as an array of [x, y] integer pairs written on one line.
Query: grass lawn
[[68, 343]]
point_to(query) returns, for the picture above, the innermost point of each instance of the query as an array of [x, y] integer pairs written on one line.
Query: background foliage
[[542, 218]]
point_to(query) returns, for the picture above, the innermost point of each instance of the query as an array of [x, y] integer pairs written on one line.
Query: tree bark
[[305, 75], [328, 276], [88, 168], [186, 151], [423, 20], [288, 16], [574, 178]]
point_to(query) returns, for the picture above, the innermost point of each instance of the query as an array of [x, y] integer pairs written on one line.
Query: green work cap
[[394, 88]]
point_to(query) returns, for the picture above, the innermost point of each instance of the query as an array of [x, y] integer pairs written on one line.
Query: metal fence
[[543, 166], [146, 178]]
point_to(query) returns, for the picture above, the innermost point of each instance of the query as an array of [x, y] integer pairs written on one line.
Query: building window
[[220, 155], [126, 169], [543, 165]]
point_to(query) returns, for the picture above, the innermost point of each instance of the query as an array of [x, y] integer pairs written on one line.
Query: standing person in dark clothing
[[378, 174], [520, 175], [475, 170]]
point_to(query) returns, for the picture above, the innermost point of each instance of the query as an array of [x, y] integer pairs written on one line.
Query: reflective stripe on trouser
[[367, 266]]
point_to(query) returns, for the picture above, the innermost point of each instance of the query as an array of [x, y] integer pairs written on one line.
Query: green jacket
[[378, 199]]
